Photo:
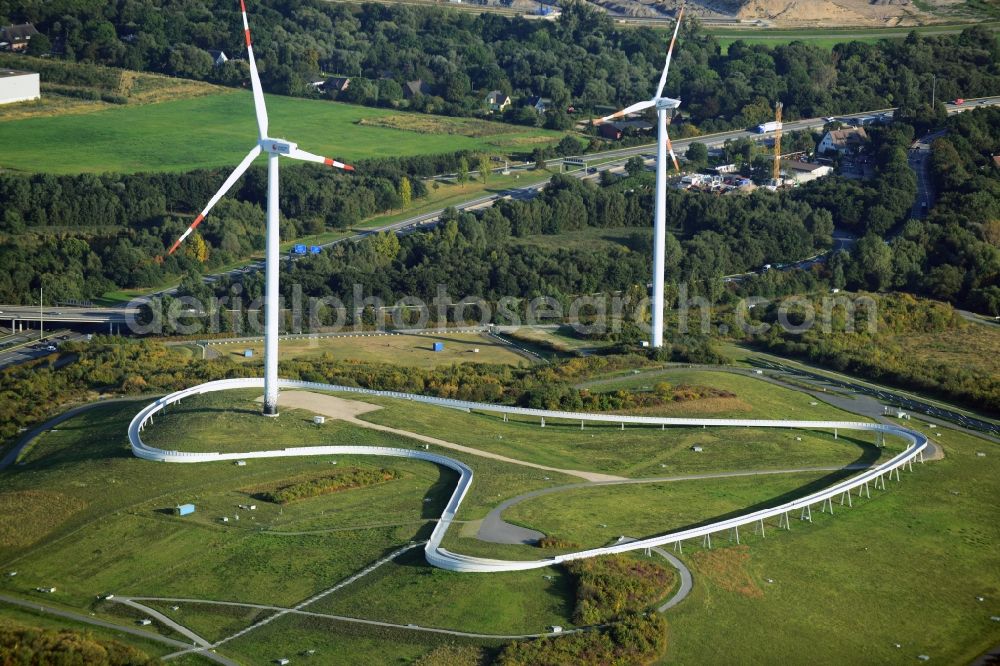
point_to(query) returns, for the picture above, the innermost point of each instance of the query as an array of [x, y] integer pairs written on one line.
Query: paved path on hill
[[78, 617]]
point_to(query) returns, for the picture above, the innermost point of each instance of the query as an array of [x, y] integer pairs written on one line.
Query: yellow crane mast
[[777, 145]]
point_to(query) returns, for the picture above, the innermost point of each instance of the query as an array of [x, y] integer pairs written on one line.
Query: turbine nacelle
[[667, 103], [277, 146]]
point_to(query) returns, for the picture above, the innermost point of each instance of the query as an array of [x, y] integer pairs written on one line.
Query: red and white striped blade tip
[[340, 165]]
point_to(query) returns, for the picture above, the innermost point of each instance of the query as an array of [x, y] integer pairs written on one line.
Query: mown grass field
[[634, 452], [130, 87], [756, 397], [410, 350], [827, 38], [904, 567], [594, 517], [504, 603], [218, 130]]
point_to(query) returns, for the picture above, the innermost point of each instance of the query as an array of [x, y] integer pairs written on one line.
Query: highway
[[26, 346]]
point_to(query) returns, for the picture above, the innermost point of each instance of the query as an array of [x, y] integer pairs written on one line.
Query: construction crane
[[776, 176]]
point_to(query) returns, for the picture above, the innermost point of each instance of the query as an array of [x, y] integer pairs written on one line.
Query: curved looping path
[[445, 559]]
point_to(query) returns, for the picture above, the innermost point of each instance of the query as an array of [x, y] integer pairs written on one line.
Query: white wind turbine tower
[[273, 147], [664, 105]]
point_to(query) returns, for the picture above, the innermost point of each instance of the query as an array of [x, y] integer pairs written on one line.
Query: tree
[[462, 173], [635, 166], [539, 156], [405, 191], [698, 153], [484, 167], [197, 248], [190, 62], [874, 262], [386, 246], [568, 146], [39, 45]]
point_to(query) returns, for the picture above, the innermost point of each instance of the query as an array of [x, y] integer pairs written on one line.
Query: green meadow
[[218, 130]]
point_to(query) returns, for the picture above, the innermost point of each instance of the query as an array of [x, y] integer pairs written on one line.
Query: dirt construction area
[[802, 13]]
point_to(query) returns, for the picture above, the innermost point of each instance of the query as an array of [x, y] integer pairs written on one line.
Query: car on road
[[50, 348], [959, 102]]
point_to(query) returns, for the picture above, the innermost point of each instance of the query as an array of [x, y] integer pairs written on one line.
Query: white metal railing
[[446, 559]]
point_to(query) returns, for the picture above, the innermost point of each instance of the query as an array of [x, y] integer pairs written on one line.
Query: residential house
[[219, 58], [609, 131], [843, 141], [498, 101], [616, 130], [413, 88], [539, 104], [16, 37], [336, 85]]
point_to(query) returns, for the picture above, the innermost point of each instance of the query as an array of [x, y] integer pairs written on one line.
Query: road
[[25, 346], [830, 383], [919, 160], [77, 617], [65, 315]]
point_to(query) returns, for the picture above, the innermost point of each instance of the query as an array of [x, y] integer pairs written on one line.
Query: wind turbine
[[274, 148], [663, 106]]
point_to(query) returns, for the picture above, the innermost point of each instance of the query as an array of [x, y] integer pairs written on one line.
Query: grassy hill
[[218, 129]]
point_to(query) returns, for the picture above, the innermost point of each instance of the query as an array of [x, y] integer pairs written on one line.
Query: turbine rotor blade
[[233, 177], [670, 148], [638, 106], [670, 52], [258, 92], [299, 154]]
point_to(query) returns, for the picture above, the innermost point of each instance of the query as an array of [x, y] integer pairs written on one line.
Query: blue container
[[315, 249], [248, 353], [438, 346], [184, 509], [299, 249]]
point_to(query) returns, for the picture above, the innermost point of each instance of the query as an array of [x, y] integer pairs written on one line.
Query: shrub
[[637, 639], [613, 586]]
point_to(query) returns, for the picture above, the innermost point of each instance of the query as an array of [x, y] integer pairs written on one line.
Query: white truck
[[768, 127]]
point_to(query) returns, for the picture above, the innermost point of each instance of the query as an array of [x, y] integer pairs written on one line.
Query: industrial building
[[16, 86], [803, 172]]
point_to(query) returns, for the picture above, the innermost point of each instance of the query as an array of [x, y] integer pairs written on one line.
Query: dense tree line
[[480, 254], [82, 235], [876, 206], [880, 354], [954, 253], [582, 59]]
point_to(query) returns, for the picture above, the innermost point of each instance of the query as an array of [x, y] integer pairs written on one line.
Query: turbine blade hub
[[277, 146]]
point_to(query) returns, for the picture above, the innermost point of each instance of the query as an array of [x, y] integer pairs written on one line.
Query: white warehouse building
[[18, 86]]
